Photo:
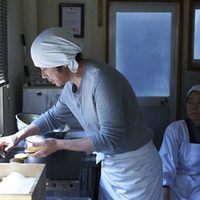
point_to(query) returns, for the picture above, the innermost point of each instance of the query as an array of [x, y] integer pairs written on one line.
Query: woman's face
[[193, 107], [54, 75]]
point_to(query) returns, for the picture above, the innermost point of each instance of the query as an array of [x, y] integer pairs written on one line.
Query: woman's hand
[[8, 142], [48, 146], [52, 145]]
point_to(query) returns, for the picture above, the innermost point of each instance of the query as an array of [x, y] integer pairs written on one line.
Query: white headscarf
[[55, 47], [194, 88]]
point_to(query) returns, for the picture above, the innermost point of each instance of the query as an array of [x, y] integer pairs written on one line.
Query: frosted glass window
[[143, 46], [197, 35]]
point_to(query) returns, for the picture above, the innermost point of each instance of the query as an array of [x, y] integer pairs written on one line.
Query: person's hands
[[8, 142], [48, 146]]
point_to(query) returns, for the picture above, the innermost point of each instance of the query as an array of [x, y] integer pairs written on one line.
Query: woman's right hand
[[8, 142], [11, 141]]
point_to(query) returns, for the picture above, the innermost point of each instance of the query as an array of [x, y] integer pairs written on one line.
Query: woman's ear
[[66, 69]]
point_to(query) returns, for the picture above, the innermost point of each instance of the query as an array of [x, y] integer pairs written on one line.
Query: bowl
[[29, 143], [24, 119]]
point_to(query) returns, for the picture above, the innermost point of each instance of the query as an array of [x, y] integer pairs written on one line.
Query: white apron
[[135, 175], [187, 184]]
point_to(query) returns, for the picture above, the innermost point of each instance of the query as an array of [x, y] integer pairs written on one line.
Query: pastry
[[21, 156], [32, 149], [16, 160]]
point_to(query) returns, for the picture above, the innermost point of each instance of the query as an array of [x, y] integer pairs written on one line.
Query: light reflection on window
[[143, 47], [197, 35]]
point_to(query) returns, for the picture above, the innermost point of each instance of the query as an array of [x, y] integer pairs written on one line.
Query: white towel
[[55, 47], [194, 88]]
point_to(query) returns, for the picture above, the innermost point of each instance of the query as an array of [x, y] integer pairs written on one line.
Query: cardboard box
[[38, 189]]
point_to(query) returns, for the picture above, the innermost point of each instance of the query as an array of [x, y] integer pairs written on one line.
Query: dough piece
[[21, 156], [32, 149], [16, 160]]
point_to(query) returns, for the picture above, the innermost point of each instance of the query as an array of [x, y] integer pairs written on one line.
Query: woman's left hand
[[48, 146]]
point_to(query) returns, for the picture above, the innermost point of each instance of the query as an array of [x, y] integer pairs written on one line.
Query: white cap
[[55, 47], [194, 88]]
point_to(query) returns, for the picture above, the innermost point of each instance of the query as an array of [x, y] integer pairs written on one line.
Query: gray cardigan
[[106, 108]]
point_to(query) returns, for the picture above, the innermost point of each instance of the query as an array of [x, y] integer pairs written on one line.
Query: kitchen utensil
[[24, 119]]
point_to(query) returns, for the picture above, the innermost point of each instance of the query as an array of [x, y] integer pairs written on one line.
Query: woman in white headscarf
[[180, 153], [103, 102]]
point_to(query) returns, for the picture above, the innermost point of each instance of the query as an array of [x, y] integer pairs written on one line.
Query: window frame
[[3, 44], [3, 67]]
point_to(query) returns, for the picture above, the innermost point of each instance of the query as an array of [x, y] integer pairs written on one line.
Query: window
[[149, 34], [3, 43], [194, 36], [142, 45]]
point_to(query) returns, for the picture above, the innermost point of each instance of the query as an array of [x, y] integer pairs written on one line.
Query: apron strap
[[191, 132]]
